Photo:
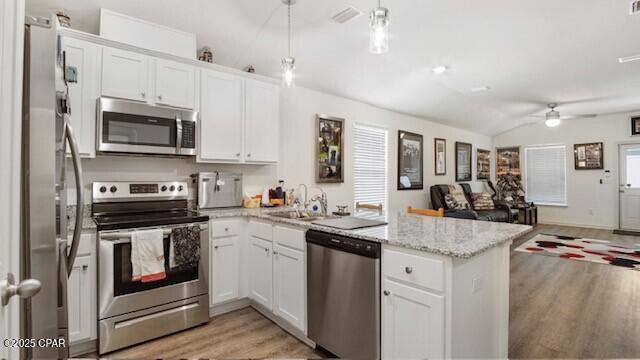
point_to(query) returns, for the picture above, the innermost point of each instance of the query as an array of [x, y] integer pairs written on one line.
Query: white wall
[[590, 203], [297, 139], [299, 110]]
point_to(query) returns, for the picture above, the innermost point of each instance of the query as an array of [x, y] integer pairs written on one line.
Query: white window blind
[[546, 174], [370, 165]]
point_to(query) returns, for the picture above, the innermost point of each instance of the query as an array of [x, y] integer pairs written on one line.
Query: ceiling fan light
[[552, 122], [379, 30]]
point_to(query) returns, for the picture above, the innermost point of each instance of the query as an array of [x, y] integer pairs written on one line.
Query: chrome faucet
[[322, 198], [306, 202]]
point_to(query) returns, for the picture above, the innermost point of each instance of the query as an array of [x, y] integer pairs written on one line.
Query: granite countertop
[[458, 238]]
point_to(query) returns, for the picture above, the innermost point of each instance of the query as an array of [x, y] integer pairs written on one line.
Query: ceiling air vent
[[635, 7], [348, 14]]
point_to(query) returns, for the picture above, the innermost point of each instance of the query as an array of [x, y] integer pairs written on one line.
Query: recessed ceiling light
[[440, 69], [480, 89], [627, 59]]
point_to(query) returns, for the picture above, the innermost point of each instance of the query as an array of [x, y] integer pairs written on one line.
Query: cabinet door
[[260, 276], [289, 285], [125, 74], [221, 117], [262, 121], [175, 84], [84, 57], [79, 300], [412, 322], [224, 269]]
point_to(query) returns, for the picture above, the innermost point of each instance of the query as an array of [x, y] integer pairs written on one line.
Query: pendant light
[[288, 62], [552, 118], [379, 30]]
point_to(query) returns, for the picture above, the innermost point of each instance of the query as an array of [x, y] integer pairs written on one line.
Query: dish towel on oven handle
[[184, 249], [147, 255]]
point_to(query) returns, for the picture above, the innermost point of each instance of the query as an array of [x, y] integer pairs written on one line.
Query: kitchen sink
[[300, 216]]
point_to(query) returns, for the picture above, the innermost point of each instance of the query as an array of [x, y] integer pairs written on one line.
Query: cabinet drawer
[[261, 230], [421, 271], [293, 238], [221, 228]]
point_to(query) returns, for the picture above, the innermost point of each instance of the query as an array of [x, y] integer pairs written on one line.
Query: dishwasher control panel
[[344, 243]]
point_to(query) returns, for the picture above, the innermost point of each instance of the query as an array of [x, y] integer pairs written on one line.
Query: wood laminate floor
[[558, 309], [241, 334], [563, 308]]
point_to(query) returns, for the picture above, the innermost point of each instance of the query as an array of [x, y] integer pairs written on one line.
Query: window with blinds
[[370, 165], [546, 174]]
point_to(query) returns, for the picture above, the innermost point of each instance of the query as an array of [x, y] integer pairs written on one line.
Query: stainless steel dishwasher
[[343, 295]]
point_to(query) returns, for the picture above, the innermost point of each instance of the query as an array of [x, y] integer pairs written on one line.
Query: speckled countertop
[[458, 238]]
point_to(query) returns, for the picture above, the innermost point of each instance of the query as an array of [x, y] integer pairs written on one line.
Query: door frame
[[11, 55], [619, 181]]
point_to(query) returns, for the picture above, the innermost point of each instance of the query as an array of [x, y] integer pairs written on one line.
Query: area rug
[[574, 248]]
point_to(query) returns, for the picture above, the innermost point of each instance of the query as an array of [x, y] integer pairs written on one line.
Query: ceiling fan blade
[[536, 116], [582, 116]]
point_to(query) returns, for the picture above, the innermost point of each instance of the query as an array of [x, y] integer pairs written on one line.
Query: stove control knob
[[113, 189], [172, 188], [163, 188], [103, 189], [180, 188]]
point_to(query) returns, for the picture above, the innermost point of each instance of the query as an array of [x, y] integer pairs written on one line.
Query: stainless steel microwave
[[135, 128]]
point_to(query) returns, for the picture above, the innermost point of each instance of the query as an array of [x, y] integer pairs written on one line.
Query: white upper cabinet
[[125, 74], [221, 117], [262, 121], [175, 84], [84, 58]]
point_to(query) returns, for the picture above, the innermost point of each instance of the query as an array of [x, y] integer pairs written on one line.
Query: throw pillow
[[482, 201], [458, 194]]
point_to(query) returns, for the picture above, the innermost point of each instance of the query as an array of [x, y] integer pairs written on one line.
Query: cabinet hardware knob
[[160, 97], [238, 154], [85, 267], [275, 253], [226, 229], [408, 269], [216, 247], [266, 250], [143, 94], [386, 293], [249, 155]]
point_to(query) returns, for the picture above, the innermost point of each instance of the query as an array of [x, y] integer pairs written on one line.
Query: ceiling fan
[[553, 117]]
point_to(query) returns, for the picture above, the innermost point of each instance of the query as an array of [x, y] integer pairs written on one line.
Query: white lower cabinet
[[82, 292], [413, 322], [260, 272], [289, 285], [224, 276]]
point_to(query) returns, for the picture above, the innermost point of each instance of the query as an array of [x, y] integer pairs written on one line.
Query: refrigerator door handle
[[77, 167]]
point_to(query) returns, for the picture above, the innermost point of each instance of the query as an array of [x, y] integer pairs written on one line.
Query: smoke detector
[[347, 14], [635, 7]]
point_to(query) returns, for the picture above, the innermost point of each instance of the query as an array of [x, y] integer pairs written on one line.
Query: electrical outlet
[[476, 285]]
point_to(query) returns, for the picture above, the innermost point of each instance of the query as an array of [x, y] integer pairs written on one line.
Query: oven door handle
[[77, 167], [178, 135], [124, 237]]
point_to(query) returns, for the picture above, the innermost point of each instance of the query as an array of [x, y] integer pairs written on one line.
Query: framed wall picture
[[463, 161], [410, 161], [635, 125], [484, 164], [508, 162], [588, 156], [440, 156], [329, 149]]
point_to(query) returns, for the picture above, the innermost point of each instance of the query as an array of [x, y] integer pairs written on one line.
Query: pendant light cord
[[289, 28]]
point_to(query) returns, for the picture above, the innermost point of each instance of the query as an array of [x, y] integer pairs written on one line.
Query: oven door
[[125, 126], [118, 294]]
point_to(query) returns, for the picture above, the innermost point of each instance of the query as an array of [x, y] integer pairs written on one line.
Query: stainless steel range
[[131, 311]]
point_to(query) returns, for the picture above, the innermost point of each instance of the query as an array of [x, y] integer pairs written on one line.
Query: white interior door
[[11, 49], [630, 187]]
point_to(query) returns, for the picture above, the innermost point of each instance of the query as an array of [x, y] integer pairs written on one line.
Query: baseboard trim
[[83, 348], [229, 306], [282, 324], [626, 232], [596, 227]]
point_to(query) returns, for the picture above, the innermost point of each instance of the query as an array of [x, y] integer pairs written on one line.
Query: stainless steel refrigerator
[[46, 254]]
